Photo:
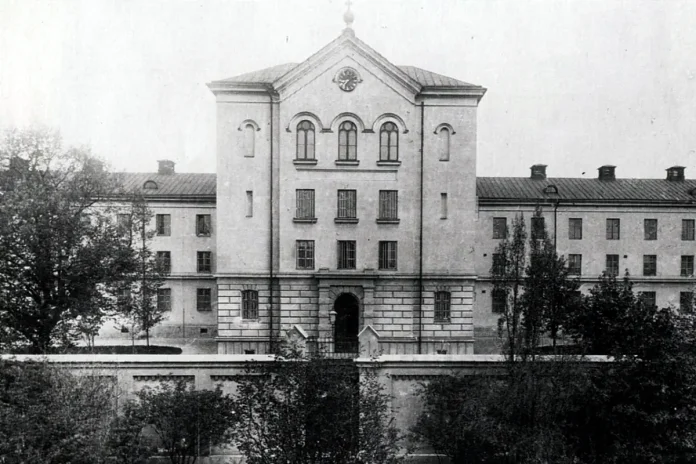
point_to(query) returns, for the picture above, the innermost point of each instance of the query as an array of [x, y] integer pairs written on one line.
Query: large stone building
[[346, 197]]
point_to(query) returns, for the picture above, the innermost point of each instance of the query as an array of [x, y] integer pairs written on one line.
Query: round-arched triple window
[[305, 141], [347, 141], [389, 142]]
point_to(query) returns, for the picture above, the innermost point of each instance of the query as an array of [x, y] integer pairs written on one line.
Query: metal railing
[[333, 348]]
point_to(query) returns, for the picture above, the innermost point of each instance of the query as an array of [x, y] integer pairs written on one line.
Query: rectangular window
[[164, 224], [687, 229], [686, 302], [164, 299], [499, 228], [443, 206], [575, 229], [249, 203], [442, 306], [687, 265], [613, 229], [204, 300], [649, 265], [346, 254], [387, 255], [123, 222], [205, 261], [612, 264], [203, 225], [649, 298], [304, 199], [305, 254], [575, 264], [250, 304], [164, 261], [346, 204], [389, 204], [650, 229], [498, 267], [538, 228], [498, 301], [123, 297]]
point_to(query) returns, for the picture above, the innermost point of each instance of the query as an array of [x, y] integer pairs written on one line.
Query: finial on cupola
[[348, 15]]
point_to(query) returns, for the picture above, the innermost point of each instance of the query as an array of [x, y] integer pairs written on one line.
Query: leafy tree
[[507, 274], [138, 300], [62, 254], [50, 416], [313, 411], [187, 422]]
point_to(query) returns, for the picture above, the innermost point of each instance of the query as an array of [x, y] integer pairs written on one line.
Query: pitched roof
[[586, 190], [180, 185], [422, 76]]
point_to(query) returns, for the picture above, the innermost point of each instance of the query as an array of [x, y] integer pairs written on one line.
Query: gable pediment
[[347, 46]]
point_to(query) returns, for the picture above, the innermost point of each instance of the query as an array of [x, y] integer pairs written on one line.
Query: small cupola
[[538, 171], [165, 167], [675, 173], [607, 172]]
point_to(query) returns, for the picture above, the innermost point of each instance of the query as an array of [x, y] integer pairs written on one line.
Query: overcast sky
[[572, 84]]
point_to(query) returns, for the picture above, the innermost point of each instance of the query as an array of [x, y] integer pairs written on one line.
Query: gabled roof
[[180, 185], [521, 189], [422, 76]]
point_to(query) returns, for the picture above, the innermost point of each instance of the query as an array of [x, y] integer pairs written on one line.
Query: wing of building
[[346, 198]]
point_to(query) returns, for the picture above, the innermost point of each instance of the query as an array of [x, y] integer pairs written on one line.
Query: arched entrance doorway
[[347, 307]]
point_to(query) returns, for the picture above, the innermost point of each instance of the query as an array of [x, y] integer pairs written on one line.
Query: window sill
[[388, 270], [202, 235], [204, 272], [304, 220], [304, 162], [444, 322], [388, 221], [388, 163], [346, 220], [347, 162]]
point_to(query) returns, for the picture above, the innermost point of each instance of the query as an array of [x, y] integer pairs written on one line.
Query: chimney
[[165, 167], [606, 172], [538, 171], [675, 173]]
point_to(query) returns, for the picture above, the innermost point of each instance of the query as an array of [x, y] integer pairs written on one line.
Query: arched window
[[305, 141], [444, 144], [150, 185], [347, 141], [389, 142], [249, 140]]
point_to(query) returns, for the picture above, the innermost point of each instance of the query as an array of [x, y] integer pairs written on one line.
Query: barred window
[[250, 304], [687, 229], [498, 300], [612, 267], [442, 306], [204, 300], [346, 204], [650, 229], [613, 229], [389, 142], [499, 228], [387, 255], [686, 302], [347, 141], [164, 299], [498, 267], [305, 141], [164, 224], [538, 228], [305, 254], [649, 298], [649, 265], [164, 261], [575, 229], [203, 225], [346, 254], [687, 265], [575, 264], [304, 204], [389, 204], [205, 261]]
